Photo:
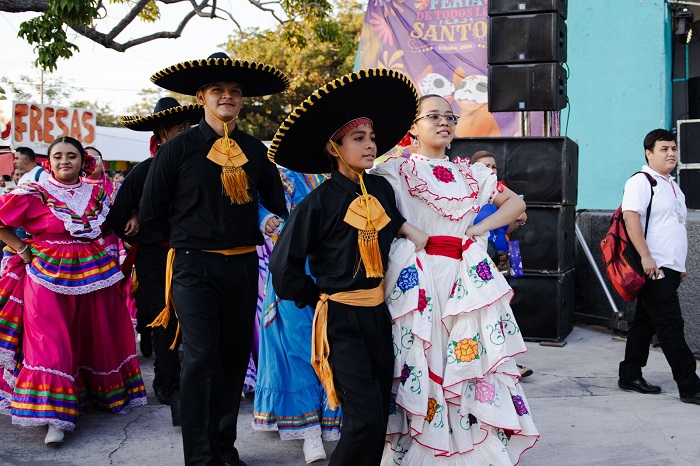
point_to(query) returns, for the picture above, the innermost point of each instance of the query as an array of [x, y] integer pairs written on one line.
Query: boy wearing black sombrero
[[149, 249], [202, 192], [345, 228]]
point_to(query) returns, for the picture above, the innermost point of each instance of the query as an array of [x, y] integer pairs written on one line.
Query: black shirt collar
[[346, 183]]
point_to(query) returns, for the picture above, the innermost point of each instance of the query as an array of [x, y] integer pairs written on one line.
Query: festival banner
[[37, 126], [441, 46]]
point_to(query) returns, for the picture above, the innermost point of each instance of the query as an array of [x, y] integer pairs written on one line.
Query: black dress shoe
[[694, 398], [146, 344], [175, 408], [638, 385]]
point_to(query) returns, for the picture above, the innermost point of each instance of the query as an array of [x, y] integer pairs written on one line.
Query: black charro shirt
[[316, 230], [127, 203], [183, 193]]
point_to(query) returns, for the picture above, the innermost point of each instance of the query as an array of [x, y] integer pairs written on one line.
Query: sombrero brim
[[188, 77], [386, 97], [192, 113]]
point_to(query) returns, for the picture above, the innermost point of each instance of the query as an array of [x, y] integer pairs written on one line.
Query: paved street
[[584, 419]]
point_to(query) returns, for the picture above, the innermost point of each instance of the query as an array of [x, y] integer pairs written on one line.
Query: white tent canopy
[[122, 143]]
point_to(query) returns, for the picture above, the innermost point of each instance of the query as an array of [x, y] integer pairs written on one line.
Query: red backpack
[[622, 262]]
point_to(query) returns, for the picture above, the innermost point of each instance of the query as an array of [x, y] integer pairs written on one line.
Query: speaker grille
[[526, 39], [543, 305]]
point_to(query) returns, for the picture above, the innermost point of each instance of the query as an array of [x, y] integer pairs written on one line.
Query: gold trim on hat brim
[[192, 113], [256, 79], [387, 97]]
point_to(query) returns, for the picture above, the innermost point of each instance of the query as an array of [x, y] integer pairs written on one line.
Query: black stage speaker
[[547, 240], [689, 181], [514, 7], [533, 87], [543, 305], [543, 170], [526, 39], [689, 141], [694, 98]]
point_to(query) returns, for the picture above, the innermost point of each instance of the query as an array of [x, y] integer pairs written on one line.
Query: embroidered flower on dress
[[405, 372], [422, 300], [432, 409], [408, 278], [485, 392], [467, 350], [483, 270], [472, 419], [519, 404], [443, 174]]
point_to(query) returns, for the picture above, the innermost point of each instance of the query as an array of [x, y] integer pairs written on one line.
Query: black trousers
[[659, 312], [362, 359], [150, 301], [215, 297]]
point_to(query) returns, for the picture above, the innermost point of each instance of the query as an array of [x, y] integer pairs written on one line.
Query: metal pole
[[525, 124], [591, 261], [547, 124], [41, 90]]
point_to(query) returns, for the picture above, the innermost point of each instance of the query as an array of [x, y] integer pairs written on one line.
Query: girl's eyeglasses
[[434, 118]]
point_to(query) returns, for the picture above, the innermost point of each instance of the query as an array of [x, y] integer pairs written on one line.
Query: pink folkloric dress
[[457, 397], [65, 333]]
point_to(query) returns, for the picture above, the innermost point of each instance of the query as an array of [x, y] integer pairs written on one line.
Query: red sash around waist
[[448, 246]]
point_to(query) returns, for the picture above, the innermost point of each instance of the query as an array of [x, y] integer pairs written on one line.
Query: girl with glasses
[[456, 396]]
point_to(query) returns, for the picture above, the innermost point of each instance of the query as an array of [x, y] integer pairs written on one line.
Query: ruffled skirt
[[59, 351], [456, 395]]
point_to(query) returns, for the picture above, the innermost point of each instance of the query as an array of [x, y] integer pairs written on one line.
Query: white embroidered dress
[[458, 400]]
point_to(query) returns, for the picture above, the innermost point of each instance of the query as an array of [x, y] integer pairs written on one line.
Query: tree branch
[[18, 6], [106, 41]]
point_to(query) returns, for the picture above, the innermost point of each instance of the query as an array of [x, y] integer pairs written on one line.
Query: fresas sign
[[37, 126]]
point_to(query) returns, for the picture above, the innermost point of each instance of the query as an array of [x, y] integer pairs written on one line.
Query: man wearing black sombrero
[[345, 228], [202, 192], [150, 249]]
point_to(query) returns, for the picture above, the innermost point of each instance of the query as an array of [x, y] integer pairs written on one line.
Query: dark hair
[[425, 97], [7, 177], [656, 135], [27, 152], [482, 154], [96, 150], [68, 140]]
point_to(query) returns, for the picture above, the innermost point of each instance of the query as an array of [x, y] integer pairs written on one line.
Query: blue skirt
[[288, 394]]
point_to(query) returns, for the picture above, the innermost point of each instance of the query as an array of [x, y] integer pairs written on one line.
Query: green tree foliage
[[48, 31], [104, 115], [328, 52], [149, 98]]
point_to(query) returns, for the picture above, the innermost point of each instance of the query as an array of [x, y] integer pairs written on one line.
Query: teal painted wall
[[619, 89]]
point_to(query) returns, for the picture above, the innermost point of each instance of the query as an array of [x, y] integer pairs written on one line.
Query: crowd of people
[[383, 320]]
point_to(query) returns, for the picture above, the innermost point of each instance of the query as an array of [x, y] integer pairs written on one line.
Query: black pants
[[150, 301], [659, 311], [362, 359], [215, 297]]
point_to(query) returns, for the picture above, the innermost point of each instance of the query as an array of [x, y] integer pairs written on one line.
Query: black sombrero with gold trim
[[386, 97], [188, 77], [167, 111]]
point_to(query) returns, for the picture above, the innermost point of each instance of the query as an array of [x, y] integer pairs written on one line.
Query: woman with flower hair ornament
[[456, 396], [65, 334]]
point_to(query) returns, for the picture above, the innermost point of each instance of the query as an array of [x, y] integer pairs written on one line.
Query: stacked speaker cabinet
[[545, 172], [689, 158], [526, 49]]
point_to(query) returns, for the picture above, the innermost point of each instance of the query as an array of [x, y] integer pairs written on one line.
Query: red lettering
[[48, 124], [87, 124], [21, 110], [61, 113], [75, 126], [35, 124]]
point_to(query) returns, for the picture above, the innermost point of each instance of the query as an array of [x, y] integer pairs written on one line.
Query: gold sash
[[319, 335], [163, 318]]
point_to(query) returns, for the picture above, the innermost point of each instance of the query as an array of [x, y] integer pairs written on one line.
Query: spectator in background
[[16, 175], [25, 160], [3, 180], [98, 176], [118, 177], [499, 236]]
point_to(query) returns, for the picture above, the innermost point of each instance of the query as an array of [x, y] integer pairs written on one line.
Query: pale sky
[[115, 78]]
